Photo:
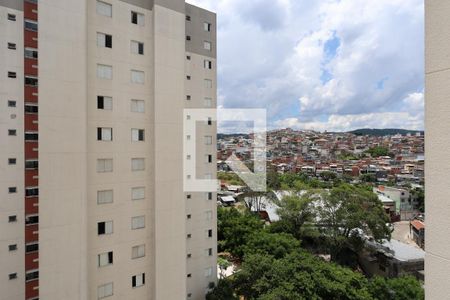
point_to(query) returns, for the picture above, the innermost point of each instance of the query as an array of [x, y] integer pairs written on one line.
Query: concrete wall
[[437, 143], [62, 149], [169, 223], [11, 204]]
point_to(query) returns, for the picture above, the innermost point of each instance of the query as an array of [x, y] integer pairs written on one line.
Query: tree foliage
[[378, 151], [401, 288], [234, 228], [297, 212], [347, 213]]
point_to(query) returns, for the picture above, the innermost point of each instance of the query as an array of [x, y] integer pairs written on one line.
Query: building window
[[188, 57], [31, 108], [12, 75], [188, 18], [104, 9], [207, 45], [188, 77], [209, 252], [189, 275], [12, 276], [12, 46], [137, 76], [31, 136], [138, 251], [11, 17], [104, 40], [208, 158], [207, 64], [105, 259], [138, 280], [208, 215], [12, 247], [189, 216], [208, 140], [137, 164], [12, 189], [208, 272], [138, 193], [11, 103], [207, 26], [137, 47], [188, 196], [32, 275], [188, 97], [209, 233], [104, 165], [104, 197], [137, 18], [138, 222], [189, 255], [189, 235], [208, 102], [208, 83], [137, 135], [137, 105], [31, 81], [209, 196], [209, 122], [104, 134], [105, 290], [188, 38], [12, 161], [105, 227], [31, 53], [31, 25], [104, 72], [31, 164], [31, 247], [32, 192], [104, 102], [31, 220], [12, 219]]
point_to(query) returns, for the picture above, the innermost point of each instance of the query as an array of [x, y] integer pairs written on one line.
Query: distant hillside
[[383, 132], [233, 135]]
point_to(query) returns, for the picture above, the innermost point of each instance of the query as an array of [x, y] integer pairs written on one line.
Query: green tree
[[297, 276], [223, 291], [401, 288], [369, 177], [378, 151], [297, 212], [346, 213], [328, 176], [273, 181], [276, 244], [234, 228]]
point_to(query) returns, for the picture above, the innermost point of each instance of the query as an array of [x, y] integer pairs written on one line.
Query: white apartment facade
[[111, 218], [437, 143]]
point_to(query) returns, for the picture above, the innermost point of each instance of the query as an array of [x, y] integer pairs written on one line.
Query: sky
[[334, 65]]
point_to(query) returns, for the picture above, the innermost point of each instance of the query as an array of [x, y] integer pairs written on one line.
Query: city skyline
[[314, 67]]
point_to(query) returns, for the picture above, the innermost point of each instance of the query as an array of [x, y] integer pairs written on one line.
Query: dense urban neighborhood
[[351, 203]]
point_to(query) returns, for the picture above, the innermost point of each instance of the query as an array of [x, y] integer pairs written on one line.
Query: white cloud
[[350, 122], [272, 54]]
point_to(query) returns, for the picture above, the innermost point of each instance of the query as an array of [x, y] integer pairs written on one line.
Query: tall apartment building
[[91, 173], [437, 144]]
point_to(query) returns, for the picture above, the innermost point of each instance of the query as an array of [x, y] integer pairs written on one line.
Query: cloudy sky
[[322, 64]]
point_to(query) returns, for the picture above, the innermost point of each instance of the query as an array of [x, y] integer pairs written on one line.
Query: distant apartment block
[[92, 203]]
